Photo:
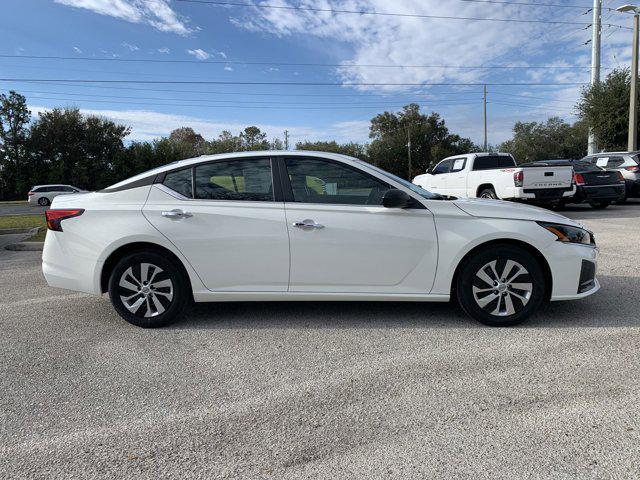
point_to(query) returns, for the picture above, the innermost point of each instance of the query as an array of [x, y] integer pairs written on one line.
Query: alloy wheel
[[146, 290], [502, 294]]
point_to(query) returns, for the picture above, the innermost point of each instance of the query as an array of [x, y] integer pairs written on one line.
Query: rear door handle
[[176, 213], [307, 224]]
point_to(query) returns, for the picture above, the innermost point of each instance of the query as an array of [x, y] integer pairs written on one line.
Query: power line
[[333, 84], [389, 14], [293, 64]]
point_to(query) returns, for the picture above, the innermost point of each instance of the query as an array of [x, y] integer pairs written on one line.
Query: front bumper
[[573, 268]]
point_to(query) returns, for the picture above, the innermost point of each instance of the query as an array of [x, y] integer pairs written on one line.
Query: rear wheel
[[43, 201], [148, 290], [488, 193], [502, 286], [599, 205]]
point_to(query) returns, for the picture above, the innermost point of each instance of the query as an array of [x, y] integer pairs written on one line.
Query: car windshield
[[414, 188]]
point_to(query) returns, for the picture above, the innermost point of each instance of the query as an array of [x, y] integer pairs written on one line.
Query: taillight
[[518, 178], [30, 193], [578, 179], [633, 168], [55, 217], [620, 177]]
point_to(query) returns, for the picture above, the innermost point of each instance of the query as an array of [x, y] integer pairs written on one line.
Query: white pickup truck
[[496, 175]]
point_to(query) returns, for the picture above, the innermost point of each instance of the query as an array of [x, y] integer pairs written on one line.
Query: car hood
[[480, 207]]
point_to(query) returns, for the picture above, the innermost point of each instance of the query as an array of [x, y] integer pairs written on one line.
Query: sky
[[319, 75]]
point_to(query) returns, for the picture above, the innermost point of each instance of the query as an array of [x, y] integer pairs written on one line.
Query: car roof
[[222, 156], [54, 185]]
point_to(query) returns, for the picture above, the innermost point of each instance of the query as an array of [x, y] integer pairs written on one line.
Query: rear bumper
[[64, 270], [632, 187], [588, 193]]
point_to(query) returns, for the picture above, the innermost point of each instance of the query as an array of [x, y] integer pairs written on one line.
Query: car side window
[[231, 180], [458, 164], [485, 163], [322, 181], [180, 182], [443, 167]]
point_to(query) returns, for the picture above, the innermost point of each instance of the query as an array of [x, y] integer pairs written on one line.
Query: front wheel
[[599, 205], [501, 286], [148, 290]]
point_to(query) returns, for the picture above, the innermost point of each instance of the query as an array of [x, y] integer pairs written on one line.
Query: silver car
[[627, 163], [44, 194]]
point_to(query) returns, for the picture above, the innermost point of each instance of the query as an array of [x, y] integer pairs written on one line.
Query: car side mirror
[[395, 198]]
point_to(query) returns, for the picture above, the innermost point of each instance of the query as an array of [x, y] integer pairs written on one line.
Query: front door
[[226, 223], [344, 241]]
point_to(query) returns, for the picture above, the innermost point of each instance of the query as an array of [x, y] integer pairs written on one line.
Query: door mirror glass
[[395, 198]]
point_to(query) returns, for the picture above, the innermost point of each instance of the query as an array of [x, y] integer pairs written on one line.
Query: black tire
[[623, 200], [488, 193], [44, 202], [173, 298], [599, 205], [468, 281]]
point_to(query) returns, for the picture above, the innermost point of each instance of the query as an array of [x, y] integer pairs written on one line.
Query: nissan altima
[[308, 226]]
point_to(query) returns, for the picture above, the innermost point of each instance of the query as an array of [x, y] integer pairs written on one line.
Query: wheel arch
[[546, 269], [483, 187], [128, 248]]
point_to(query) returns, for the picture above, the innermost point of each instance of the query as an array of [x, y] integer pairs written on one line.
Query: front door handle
[[307, 224], [176, 213]]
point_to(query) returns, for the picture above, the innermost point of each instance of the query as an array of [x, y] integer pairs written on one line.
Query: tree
[[189, 143], [72, 148], [553, 139], [14, 118], [352, 149], [605, 106], [254, 139], [430, 141]]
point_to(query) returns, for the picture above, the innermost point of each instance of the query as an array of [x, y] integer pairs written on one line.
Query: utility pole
[[595, 64], [633, 100], [409, 150], [286, 139], [486, 137]]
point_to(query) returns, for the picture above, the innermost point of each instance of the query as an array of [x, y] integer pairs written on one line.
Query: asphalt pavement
[[324, 390], [22, 208]]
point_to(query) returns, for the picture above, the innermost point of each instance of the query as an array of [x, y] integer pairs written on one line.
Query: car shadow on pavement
[[615, 305]]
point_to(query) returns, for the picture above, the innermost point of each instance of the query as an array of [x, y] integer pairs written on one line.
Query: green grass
[[23, 221], [13, 202], [38, 237]]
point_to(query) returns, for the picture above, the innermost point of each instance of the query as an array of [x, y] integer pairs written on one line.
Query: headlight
[[568, 234]]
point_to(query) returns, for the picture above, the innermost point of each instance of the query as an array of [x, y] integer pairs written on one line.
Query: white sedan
[[308, 226]]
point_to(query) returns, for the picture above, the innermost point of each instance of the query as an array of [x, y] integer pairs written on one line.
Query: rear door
[[344, 241], [223, 217]]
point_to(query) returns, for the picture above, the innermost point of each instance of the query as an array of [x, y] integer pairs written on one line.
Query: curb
[[25, 247], [13, 231]]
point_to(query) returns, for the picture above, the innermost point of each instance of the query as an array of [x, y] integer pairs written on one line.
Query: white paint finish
[[241, 249], [234, 246], [469, 182], [362, 249]]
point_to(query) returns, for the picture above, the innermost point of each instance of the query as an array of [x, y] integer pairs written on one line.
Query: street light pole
[[633, 98], [595, 64], [632, 142]]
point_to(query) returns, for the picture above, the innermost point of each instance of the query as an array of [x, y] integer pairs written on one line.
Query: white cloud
[[228, 68], [149, 125], [222, 54], [199, 54], [156, 13], [77, 50], [132, 48], [417, 41], [164, 50]]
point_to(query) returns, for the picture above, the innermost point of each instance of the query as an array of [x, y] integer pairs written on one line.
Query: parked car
[[627, 163], [496, 175], [43, 195], [594, 185], [308, 226]]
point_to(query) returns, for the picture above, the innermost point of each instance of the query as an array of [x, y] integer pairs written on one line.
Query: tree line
[[64, 146]]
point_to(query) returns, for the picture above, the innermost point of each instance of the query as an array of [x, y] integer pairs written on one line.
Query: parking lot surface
[[324, 390]]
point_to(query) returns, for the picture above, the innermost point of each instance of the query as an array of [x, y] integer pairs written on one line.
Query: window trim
[[159, 179], [288, 190]]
